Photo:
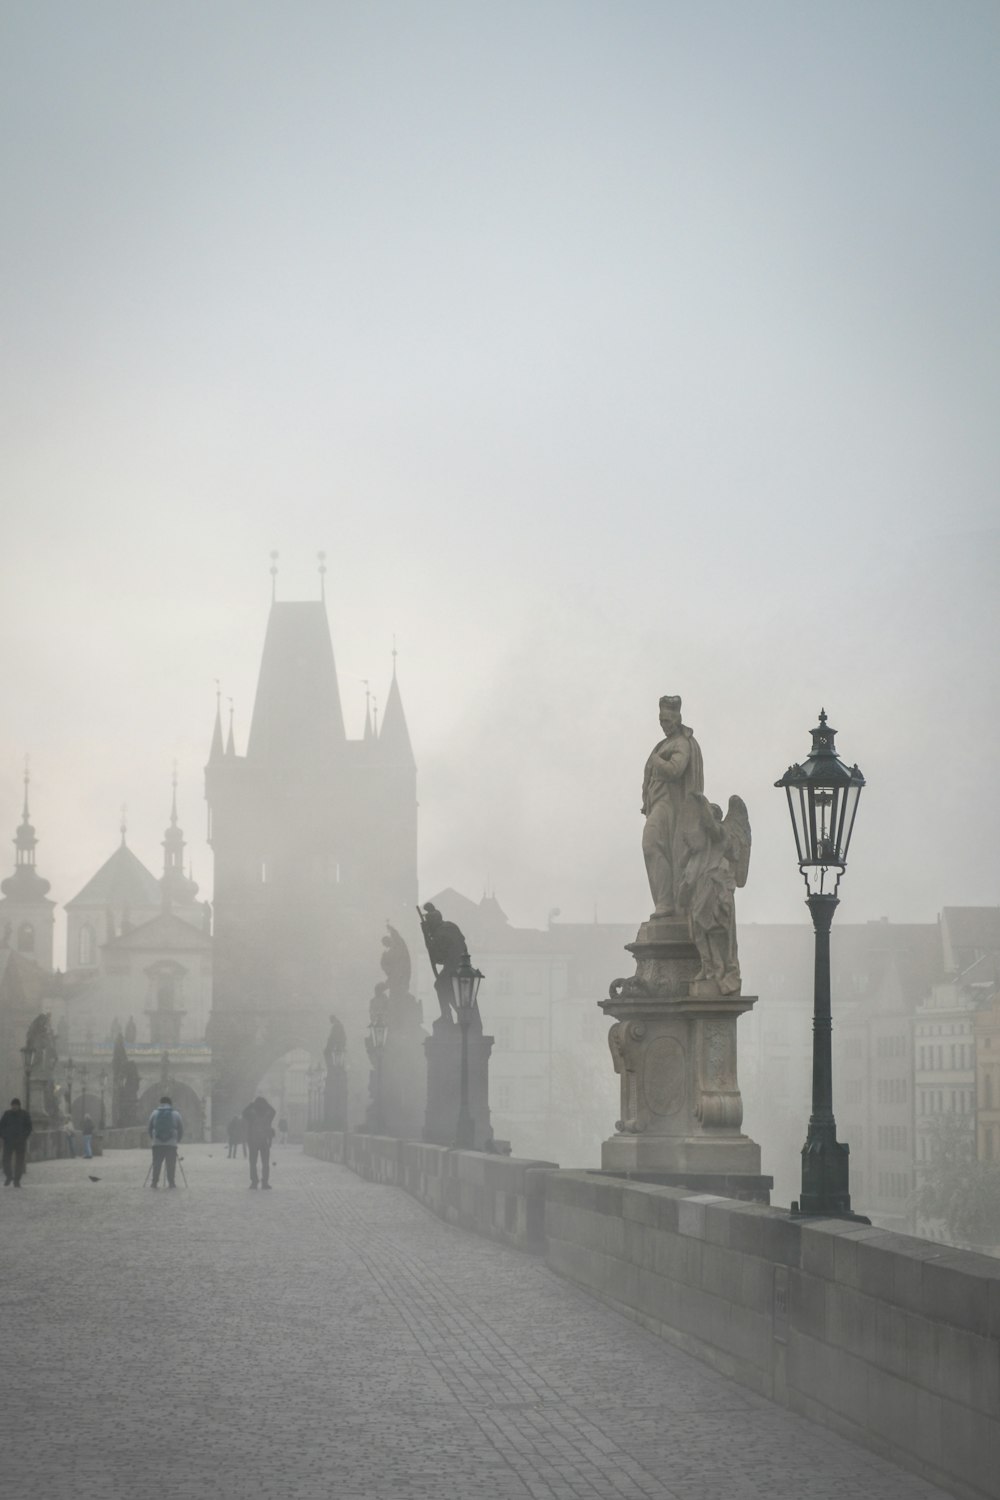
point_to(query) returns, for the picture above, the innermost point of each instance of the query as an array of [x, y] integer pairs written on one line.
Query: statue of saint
[[446, 947], [674, 769], [41, 1039], [714, 859]]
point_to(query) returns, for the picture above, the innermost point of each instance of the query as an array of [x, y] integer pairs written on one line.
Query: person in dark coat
[[15, 1127], [257, 1119]]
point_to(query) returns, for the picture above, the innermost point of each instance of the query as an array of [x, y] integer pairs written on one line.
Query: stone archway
[[185, 1100], [245, 1047]]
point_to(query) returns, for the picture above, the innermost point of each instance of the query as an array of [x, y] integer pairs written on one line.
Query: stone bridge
[[335, 1338]]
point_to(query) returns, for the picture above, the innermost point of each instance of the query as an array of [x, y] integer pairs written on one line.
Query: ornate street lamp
[[378, 1029], [28, 1057], [823, 798], [465, 983]]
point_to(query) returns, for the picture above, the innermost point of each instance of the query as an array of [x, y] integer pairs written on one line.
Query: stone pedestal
[[335, 1098], [443, 1051], [674, 1048], [403, 1083]]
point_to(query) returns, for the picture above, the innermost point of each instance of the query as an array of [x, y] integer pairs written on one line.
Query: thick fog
[[607, 351]]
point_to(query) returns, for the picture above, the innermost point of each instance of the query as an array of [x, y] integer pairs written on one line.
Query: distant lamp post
[[823, 796], [69, 1087], [465, 983], [28, 1057], [83, 1088], [103, 1081], [378, 1030]]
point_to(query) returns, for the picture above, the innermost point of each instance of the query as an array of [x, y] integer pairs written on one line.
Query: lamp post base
[[825, 1180]]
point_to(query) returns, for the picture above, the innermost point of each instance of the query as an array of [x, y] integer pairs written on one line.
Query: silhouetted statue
[[674, 769], [446, 947], [336, 1044], [395, 962]]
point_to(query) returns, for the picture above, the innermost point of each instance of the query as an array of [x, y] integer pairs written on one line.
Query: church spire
[[25, 883], [175, 885], [368, 734], [230, 741], [394, 742]]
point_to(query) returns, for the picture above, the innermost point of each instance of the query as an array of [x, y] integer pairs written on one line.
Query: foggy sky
[[607, 349]]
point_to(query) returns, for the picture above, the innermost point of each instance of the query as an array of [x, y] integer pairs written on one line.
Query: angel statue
[[715, 859]]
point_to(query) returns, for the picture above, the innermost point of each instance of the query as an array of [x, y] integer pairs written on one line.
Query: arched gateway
[[314, 838]]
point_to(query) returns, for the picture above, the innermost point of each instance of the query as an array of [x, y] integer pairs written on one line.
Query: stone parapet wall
[[889, 1340], [499, 1196]]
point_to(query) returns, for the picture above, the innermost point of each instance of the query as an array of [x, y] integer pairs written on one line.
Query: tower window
[[263, 872], [26, 938]]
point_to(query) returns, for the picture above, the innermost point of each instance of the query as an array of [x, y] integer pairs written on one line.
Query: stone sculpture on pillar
[[446, 947], [335, 1083], [673, 1042]]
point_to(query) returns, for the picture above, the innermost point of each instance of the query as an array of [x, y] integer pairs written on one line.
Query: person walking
[[166, 1131], [257, 1119], [87, 1127], [15, 1127], [69, 1131], [234, 1132]]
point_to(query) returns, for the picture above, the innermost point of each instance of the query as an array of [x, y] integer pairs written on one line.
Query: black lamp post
[[103, 1081], [823, 798], [83, 1088], [378, 1029], [28, 1057], [69, 1087], [465, 983]]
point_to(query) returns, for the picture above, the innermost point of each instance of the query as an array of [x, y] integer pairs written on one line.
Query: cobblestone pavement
[[333, 1339]]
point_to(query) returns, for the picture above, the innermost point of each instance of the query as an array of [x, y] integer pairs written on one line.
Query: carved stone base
[[443, 1051], [674, 1048]]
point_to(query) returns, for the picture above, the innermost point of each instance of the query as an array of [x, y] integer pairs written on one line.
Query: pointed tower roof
[[122, 881], [394, 741], [216, 751], [25, 884], [296, 714], [230, 738]]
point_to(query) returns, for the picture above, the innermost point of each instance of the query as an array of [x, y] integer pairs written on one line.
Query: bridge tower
[[314, 838]]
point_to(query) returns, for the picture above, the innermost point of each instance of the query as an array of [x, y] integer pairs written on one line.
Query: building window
[[503, 982], [504, 1096], [25, 938], [503, 1034], [86, 950], [987, 1091]]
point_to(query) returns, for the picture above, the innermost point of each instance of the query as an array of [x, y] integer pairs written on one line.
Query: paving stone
[[334, 1339]]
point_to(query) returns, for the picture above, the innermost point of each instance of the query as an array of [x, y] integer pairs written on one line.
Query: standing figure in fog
[[257, 1119], [674, 769], [15, 1127]]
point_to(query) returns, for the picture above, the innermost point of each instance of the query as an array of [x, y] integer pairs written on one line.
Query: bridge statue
[[673, 1041]]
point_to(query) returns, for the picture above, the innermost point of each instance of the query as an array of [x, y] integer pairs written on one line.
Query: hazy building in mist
[[314, 838], [885, 969], [947, 1032]]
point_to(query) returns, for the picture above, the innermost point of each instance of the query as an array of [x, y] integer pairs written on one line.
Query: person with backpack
[[166, 1131]]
